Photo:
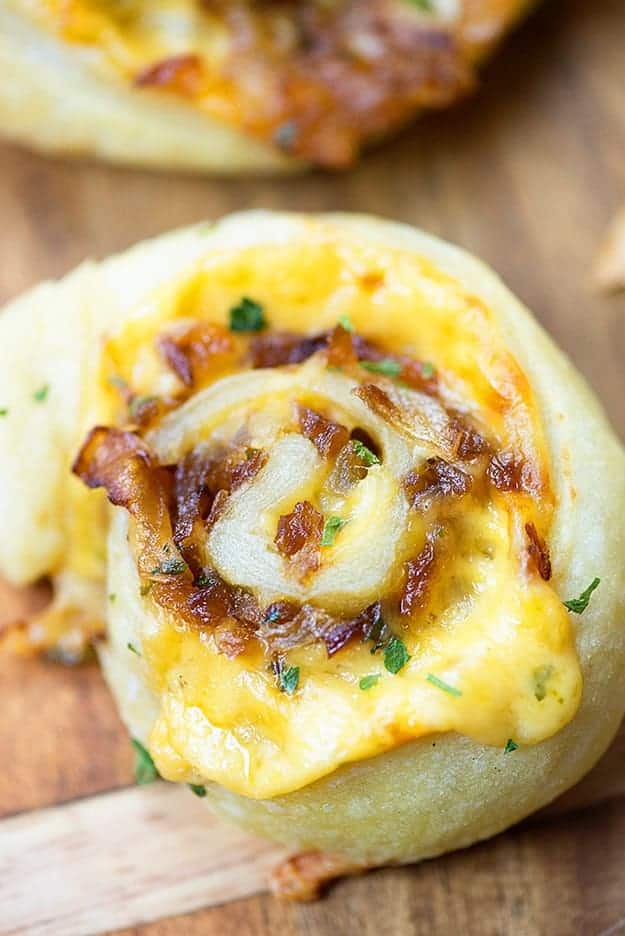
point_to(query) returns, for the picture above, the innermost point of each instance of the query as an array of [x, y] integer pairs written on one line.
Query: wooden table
[[526, 175]]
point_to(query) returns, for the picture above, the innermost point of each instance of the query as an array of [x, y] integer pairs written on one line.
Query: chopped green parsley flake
[[427, 370], [395, 655], [116, 381], [541, 677], [368, 682], [344, 322], [40, 395], [138, 402], [247, 316], [426, 5], [289, 679], [386, 366], [510, 746], [365, 454], [145, 768], [431, 678], [171, 567], [286, 134], [579, 605], [4, 411], [112, 597], [132, 648], [330, 530], [197, 789]]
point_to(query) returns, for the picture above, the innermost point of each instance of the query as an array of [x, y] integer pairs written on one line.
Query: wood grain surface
[[527, 175]]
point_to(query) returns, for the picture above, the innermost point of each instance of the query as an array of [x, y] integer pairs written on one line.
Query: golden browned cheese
[[316, 79]]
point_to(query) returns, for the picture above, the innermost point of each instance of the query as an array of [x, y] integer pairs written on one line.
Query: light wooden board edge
[[120, 859], [144, 853]]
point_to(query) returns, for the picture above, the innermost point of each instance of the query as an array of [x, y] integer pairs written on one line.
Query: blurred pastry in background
[[610, 261], [214, 85]]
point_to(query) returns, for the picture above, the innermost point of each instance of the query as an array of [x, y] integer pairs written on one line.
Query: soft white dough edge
[[51, 99], [441, 792]]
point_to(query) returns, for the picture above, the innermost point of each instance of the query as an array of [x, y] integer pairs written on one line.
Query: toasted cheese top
[[314, 79], [340, 501]]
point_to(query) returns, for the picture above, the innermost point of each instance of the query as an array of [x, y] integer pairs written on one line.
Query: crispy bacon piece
[[296, 528], [217, 508], [247, 468], [437, 478], [343, 349], [104, 452], [228, 468], [208, 605], [418, 375], [122, 463], [538, 552], [202, 482], [192, 497], [362, 626], [275, 349], [328, 437], [299, 538], [340, 351], [286, 626], [180, 74], [510, 472], [192, 353], [198, 607], [302, 877], [418, 576], [469, 444], [379, 401]]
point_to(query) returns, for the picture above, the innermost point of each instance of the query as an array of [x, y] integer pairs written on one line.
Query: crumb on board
[[302, 877]]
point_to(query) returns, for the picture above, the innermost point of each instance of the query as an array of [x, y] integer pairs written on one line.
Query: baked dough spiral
[[354, 484], [234, 85]]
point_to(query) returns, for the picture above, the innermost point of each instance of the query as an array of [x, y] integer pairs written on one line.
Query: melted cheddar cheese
[[488, 648]]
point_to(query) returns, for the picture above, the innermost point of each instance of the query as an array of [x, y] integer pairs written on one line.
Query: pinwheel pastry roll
[[360, 521], [235, 85]]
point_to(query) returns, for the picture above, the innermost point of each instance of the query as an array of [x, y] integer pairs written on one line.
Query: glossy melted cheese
[[492, 632]]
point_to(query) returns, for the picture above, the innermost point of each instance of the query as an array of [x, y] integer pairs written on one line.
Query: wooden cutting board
[[527, 175]]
